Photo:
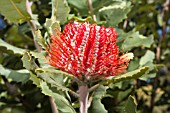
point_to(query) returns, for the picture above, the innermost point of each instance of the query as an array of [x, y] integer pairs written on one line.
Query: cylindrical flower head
[[84, 49]]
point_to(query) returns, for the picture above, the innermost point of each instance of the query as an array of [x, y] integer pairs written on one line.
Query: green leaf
[[134, 64], [97, 107], [40, 56], [147, 60], [60, 10], [99, 92], [15, 75], [51, 25], [98, 4], [14, 10], [19, 76], [116, 12], [5, 72], [80, 5], [62, 103], [123, 94], [160, 19], [28, 62], [130, 106], [12, 48], [128, 76], [134, 39], [148, 57], [55, 80], [53, 71], [35, 79], [40, 39]]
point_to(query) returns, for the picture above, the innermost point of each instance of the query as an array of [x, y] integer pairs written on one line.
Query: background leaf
[[130, 106], [14, 10], [15, 75], [116, 12], [10, 47], [134, 39], [61, 102], [80, 5], [96, 105], [128, 76], [60, 10], [148, 57]]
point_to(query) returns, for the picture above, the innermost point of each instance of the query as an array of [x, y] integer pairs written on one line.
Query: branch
[[53, 105], [32, 25], [91, 10]]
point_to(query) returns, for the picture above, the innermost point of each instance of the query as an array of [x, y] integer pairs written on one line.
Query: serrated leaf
[[12, 48], [5, 72], [15, 75], [148, 57], [128, 76], [134, 39], [99, 92], [130, 106], [80, 5], [53, 71], [97, 107], [98, 4], [123, 94], [28, 62], [51, 26], [54, 81], [62, 103], [35, 79], [40, 39], [19, 76], [116, 12], [60, 10], [40, 56], [14, 10], [147, 60], [148, 76]]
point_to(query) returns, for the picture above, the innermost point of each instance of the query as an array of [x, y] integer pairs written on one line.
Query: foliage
[[143, 28]]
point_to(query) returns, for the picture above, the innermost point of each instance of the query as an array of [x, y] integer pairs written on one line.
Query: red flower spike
[[87, 50]]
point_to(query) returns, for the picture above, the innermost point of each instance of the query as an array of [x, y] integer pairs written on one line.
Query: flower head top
[[84, 49]]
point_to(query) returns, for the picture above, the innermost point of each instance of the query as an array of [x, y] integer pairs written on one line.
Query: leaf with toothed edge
[[28, 62], [128, 76], [96, 105], [53, 71], [115, 12], [16, 75], [12, 48], [40, 39], [60, 10], [54, 78], [62, 103], [14, 10], [130, 106], [134, 39]]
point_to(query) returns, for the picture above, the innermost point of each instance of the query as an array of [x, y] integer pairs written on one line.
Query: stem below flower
[[83, 98]]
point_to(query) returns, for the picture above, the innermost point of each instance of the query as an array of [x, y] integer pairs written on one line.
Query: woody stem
[[83, 98]]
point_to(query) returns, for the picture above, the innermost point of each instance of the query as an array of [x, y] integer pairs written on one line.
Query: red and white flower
[[87, 50]]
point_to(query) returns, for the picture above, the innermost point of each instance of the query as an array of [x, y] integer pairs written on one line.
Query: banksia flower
[[87, 50]]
